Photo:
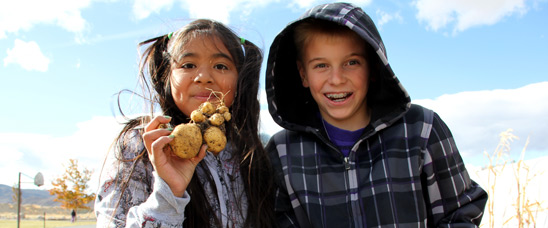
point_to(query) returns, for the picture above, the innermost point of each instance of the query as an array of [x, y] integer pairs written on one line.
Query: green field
[[40, 223]]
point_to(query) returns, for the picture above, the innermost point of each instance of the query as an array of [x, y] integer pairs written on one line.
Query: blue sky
[[482, 65]]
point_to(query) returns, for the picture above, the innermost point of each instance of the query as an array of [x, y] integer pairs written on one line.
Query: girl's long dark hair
[[242, 131]]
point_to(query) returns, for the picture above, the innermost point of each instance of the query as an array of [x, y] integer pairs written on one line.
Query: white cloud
[[477, 118], [32, 153], [267, 124], [28, 55], [306, 4], [216, 9], [464, 14], [143, 8], [219, 10], [24, 14], [385, 17]]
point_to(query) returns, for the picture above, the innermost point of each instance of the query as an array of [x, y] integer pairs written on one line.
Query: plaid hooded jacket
[[404, 171]]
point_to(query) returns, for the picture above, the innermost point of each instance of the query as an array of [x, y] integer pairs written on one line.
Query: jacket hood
[[292, 106]]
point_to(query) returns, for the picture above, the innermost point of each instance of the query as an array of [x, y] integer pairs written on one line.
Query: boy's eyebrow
[[315, 59], [350, 55]]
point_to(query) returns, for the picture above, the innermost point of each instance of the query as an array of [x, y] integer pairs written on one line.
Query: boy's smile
[[335, 69], [338, 97]]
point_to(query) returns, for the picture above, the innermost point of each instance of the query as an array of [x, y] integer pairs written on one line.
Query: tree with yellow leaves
[[70, 189]]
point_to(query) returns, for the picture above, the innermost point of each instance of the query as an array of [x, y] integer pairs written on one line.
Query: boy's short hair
[[303, 31]]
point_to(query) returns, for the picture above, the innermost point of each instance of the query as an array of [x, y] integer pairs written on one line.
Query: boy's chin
[[335, 116]]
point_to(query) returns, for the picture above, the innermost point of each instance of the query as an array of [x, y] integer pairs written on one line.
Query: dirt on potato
[[215, 139], [207, 126], [187, 140]]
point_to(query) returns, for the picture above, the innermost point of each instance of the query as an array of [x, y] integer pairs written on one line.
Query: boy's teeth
[[337, 96]]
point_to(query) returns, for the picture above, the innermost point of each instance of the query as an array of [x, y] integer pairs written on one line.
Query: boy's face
[[335, 69]]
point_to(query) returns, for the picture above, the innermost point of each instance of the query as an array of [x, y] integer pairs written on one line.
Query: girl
[[148, 185]]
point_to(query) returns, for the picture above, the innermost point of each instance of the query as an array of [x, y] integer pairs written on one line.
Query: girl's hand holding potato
[[175, 171], [175, 153]]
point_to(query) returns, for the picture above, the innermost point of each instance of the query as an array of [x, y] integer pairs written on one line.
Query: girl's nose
[[203, 76]]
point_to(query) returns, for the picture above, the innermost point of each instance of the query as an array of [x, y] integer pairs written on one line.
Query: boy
[[355, 152]]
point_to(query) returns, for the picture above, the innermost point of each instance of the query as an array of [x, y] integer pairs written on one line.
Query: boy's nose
[[203, 76], [337, 76]]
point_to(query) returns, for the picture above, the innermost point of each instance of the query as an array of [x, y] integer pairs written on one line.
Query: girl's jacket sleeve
[[145, 201], [455, 200], [161, 209]]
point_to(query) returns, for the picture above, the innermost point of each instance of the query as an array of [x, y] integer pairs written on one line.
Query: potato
[[227, 116], [216, 119], [222, 109], [187, 140], [197, 116], [215, 139], [207, 108]]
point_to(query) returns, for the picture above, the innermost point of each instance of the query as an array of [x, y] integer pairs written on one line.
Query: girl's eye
[[188, 66], [353, 62], [220, 67]]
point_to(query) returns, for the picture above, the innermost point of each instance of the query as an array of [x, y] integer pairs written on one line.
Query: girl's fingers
[[151, 136], [200, 155], [159, 144], [152, 133], [156, 121]]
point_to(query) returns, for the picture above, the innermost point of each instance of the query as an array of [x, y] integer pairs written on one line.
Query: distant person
[[355, 152], [73, 215], [147, 185]]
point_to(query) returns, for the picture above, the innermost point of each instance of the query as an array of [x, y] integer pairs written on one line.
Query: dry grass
[[40, 223], [37, 212], [526, 207]]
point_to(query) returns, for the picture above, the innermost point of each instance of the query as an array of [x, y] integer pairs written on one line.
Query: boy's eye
[[220, 67], [321, 65], [188, 66]]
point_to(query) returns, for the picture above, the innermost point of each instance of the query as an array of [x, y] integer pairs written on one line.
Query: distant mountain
[[29, 196]]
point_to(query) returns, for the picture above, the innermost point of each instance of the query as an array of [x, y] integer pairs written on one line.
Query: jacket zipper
[[346, 163], [354, 206]]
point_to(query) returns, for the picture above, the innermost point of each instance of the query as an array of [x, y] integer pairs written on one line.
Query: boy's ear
[[302, 74]]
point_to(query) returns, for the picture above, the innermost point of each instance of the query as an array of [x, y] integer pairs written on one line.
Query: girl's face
[[335, 69], [205, 65]]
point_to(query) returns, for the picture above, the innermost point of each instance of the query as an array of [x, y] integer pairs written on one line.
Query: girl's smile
[[204, 66]]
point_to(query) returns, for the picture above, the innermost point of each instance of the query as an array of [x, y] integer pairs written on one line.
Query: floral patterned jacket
[[147, 201]]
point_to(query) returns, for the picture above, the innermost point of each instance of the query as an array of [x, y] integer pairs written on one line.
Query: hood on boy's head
[[292, 106]]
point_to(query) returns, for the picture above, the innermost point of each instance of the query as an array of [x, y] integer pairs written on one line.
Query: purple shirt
[[343, 139]]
